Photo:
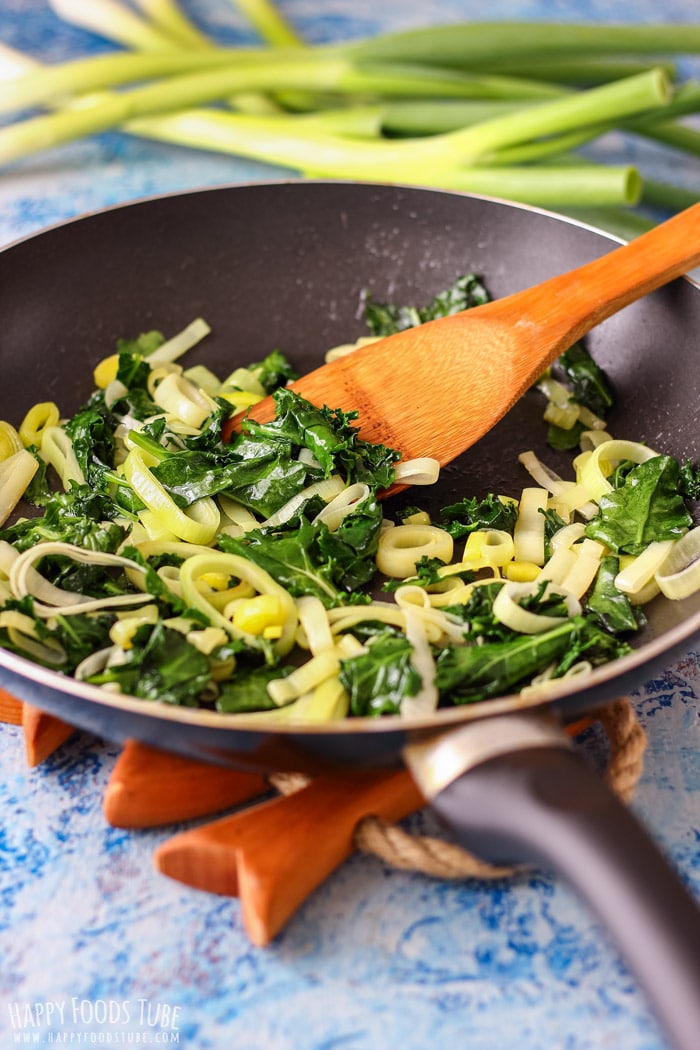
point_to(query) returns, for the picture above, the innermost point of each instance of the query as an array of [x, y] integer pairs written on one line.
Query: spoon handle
[[569, 305]]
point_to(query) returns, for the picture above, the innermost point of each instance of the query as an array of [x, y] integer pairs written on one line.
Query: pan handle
[[514, 791]]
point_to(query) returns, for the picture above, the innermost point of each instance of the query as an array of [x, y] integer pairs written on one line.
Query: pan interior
[[287, 265]]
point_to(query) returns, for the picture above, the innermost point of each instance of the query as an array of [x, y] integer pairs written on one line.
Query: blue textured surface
[[376, 958]]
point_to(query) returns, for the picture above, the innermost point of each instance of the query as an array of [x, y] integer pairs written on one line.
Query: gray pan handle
[[538, 802]]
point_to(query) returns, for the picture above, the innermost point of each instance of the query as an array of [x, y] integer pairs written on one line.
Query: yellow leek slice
[[528, 534], [302, 679], [679, 575], [314, 630], [15, 474], [425, 701], [400, 548], [490, 547], [247, 572], [10, 441], [198, 524], [37, 419], [602, 459]]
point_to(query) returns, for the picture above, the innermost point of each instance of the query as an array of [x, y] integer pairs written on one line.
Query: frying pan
[[286, 265]]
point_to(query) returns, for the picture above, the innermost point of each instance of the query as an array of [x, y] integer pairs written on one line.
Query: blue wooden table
[[96, 948]]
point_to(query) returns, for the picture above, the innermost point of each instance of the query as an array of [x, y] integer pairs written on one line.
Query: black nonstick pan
[[286, 265]]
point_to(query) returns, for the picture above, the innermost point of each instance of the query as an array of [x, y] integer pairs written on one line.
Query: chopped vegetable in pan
[[264, 576]]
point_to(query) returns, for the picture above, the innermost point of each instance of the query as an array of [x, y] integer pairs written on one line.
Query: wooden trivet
[[272, 855]]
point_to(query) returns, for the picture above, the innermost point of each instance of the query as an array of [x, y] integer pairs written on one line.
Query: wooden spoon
[[436, 389]]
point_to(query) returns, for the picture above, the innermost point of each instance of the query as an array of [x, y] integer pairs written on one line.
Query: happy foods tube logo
[[99, 1022]]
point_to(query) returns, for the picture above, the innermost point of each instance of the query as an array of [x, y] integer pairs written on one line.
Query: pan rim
[[599, 679]]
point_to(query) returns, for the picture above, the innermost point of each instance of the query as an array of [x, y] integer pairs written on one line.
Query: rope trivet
[[440, 859]]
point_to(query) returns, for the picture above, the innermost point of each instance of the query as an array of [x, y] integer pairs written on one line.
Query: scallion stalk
[[269, 23], [476, 45], [113, 21], [170, 18]]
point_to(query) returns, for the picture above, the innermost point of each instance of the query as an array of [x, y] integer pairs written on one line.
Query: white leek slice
[[585, 568], [558, 567], [237, 514], [507, 608], [326, 489], [590, 439], [57, 450], [341, 505], [402, 547], [179, 344], [545, 477], [178, 396], [568, 535], [679, 575], [50, 600], [637, 573], [423, 470]]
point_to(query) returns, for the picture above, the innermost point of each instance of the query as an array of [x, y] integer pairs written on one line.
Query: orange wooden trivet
[[271, 855]]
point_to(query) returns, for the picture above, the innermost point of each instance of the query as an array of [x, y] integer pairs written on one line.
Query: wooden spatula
[[436, 389]]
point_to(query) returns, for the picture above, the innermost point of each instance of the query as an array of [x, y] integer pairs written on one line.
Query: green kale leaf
[[386, 318], [647, 507], [470, 514], [377, 681]]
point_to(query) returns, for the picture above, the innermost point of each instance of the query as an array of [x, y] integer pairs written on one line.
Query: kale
[[38, 492], [309, 559], [610, 605], [91, 431], [470, 514], [562, 439], [467, 674], [78, 636], [261, 467], [553, 521], [427, 574], [161, 665], [477, 615], [143, 345], [590, 385], [330, 436], [79, 516], [386, 318], [248, 690], [377, 681], [690, 481], [273, 371], [646, 507]]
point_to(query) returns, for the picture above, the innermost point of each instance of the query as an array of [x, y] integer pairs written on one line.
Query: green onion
[[474, 45], [269, 23], [110, 19], [494, 108]]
